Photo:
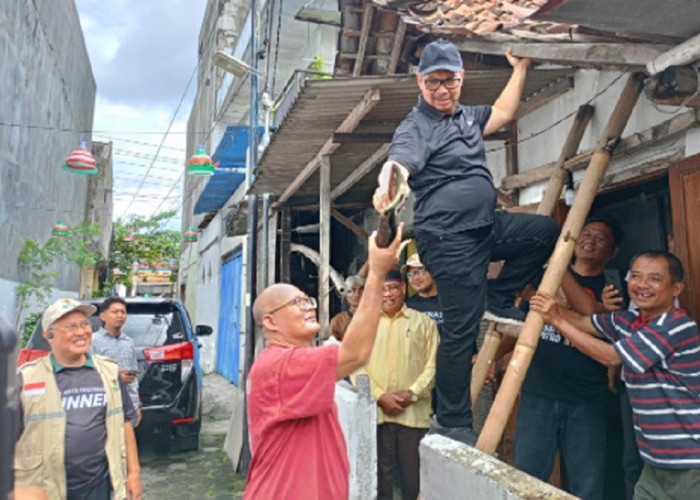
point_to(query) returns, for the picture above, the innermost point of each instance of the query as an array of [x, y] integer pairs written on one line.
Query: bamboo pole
[[529, 336], [546, 207]]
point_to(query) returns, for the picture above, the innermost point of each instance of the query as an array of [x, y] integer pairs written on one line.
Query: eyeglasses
[[303, 303], [392, 288], [417, 272], [73, 327], [449, 83]]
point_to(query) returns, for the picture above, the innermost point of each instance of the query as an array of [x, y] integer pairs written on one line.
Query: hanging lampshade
[[60, 229], [132, 235], [81, 161], [191, 236], [200, 163]]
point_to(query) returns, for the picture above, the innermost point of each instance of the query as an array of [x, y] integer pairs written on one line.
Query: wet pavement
[[205, 473]]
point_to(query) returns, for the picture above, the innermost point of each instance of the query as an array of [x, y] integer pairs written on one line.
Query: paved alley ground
[[203, 474]]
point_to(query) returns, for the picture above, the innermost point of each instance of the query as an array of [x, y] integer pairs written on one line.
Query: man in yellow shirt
[[402, 372]]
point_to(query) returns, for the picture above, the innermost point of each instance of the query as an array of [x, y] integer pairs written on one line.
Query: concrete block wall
[[48, 98], [450, 470]]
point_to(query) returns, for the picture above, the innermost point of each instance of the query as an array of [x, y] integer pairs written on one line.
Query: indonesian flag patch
[[35, 389]]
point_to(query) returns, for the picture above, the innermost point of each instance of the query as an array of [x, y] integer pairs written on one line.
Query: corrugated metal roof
[[324, 104]]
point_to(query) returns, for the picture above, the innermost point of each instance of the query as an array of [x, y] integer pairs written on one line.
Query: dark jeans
[[578, 430], [398, 444], [458, 262], [632, 463]]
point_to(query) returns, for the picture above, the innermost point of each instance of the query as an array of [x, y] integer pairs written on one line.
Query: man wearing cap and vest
[[439, 148], [76, 439]]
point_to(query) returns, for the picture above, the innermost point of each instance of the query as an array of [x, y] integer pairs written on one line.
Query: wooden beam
[[512, 148], [529, 336], [349, 224], [367, 12], [365, 167], [628, 145], [579, 54], [396, 49], [285, 245], [680, 55], [341, 206], [324, 245], [559, 173], [367, 104], [353, 138]]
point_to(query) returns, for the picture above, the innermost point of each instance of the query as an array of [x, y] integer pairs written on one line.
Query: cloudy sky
[[143, 55]]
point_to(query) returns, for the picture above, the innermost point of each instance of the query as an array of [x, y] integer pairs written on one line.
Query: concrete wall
[[49, 95], [208, 289], [357, 413], [450, 470]]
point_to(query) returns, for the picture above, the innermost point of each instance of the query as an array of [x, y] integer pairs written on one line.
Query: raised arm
[[504, 108], [356, 347]]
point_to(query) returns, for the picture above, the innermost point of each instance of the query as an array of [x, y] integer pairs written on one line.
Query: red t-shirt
[[298, 447]]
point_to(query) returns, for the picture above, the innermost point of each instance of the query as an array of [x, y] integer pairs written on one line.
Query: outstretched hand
[[382, 260], [518, 63], [544, 304]]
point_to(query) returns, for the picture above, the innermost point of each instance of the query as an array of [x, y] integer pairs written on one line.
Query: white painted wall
[[540, 149], [208, 289]]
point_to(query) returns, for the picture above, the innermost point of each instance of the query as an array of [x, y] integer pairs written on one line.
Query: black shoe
[[510, 315], [464, 435]]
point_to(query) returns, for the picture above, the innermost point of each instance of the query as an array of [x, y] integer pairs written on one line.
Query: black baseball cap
[[438, 55]]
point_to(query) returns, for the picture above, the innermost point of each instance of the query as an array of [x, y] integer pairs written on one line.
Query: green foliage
[[36, 261], [318, 66], [30, 323], [155, 245]]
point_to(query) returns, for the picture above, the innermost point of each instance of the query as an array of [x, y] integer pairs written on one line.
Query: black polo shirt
[[447, 161]]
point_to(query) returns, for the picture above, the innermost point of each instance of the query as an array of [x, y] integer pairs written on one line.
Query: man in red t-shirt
[[297, 445]]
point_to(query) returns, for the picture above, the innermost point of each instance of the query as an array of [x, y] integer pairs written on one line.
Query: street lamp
[[232, 64]]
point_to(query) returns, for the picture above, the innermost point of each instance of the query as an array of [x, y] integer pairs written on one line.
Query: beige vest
[[39, 455]]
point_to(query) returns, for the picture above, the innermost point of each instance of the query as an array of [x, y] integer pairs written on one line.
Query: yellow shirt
[[404, 358]]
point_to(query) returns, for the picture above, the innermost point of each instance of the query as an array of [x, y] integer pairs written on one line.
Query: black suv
[[167, 350]]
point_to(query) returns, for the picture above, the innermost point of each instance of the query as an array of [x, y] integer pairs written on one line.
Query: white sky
[[143, 53]]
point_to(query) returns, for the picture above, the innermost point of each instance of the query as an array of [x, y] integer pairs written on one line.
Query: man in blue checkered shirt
[[659, 351], [110, 341]]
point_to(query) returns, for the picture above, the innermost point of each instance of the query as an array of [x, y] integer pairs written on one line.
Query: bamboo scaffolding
[[546, 207], [529, 336]]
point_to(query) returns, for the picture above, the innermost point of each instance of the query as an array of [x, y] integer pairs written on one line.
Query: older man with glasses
[[75, 416], [439, 148], [298, 447]]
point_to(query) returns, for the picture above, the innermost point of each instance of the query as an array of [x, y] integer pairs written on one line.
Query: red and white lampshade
[[81, 161]]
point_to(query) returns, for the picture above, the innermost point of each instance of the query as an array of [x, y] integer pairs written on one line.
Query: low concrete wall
[[452, 470], [357, 413]]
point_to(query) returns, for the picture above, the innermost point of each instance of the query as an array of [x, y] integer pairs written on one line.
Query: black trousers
[[458, 262], [398, 445]]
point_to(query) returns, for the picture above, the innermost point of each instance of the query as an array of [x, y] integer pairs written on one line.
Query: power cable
[[172, 120]]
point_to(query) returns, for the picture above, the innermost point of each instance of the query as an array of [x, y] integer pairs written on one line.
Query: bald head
[[271, 298]]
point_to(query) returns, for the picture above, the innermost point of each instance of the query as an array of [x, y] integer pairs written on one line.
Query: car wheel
[[188, 442]]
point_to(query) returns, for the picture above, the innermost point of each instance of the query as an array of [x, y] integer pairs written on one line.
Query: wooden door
[[684, 187]]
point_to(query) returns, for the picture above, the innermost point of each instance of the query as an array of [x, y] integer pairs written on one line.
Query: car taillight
[[183, 352], [172, 352]]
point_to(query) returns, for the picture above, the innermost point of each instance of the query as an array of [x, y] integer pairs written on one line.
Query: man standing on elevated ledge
[[439, 147]]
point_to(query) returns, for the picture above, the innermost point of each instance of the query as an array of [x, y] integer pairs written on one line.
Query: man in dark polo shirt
[[439, 147], [426, 298]]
